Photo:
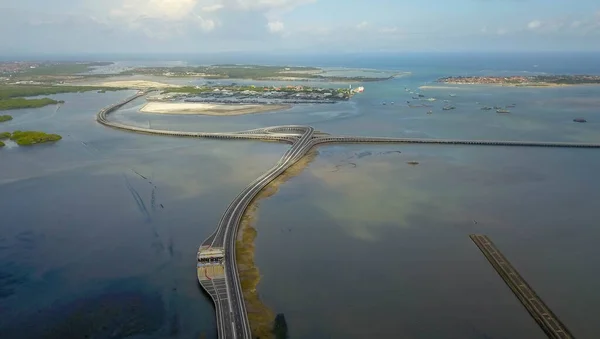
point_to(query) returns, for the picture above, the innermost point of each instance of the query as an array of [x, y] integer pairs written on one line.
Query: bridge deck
[[542, 314]]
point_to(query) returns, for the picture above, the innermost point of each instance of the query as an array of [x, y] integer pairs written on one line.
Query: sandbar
[[138, 84], [201, 108]]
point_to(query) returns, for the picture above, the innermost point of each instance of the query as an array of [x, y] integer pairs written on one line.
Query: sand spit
[[261, 317], [201, 108], [137, 84]]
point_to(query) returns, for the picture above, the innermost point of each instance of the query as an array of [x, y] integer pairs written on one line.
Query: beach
[[208, 109]]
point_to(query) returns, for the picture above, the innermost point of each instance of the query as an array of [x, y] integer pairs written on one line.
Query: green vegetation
[[13, 96], [255, 72], [567, 79], [228, 71], [27, 138], [1, 144], [62, 68], [4, 118], [17, 103], [4, 135], [18, 91]]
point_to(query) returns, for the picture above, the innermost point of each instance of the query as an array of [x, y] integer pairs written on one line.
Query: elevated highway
[[216, 265]]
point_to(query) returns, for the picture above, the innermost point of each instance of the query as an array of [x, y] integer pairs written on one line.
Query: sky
[[206, 26]]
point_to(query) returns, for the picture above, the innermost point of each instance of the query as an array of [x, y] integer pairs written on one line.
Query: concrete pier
[[542, 314]]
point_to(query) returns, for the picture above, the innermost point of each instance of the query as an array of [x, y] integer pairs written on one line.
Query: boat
[[431, 99], [429, 112], [502, 111], [421, 96], [392, 103], [447, 108], [412, 162], [383, 103], [486, 108], [579, 120], [452, 95]]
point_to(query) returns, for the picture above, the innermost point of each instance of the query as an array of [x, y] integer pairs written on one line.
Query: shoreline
[[197, 108], [530, 85], [260, 316]]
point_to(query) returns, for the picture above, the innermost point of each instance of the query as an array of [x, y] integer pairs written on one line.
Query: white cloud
[[501, 31], [275, 26], [388, 29], [171, 10], [534, 24], [268, 4], [211, 8], [206, 25], [362, 25]]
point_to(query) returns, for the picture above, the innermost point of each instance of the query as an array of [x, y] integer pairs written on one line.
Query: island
[[3, 135], [237, 99], [520, 80], [257, 94], [253, 72], [19, 103], [4, 118], [28, 138]]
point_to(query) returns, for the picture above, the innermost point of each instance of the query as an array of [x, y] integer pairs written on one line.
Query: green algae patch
[[28, 138], [261, 317]]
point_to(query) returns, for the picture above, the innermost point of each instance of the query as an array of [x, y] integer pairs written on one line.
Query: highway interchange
[[226, 292]]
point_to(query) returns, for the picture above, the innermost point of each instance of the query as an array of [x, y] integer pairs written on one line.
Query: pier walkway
[[542, 314]]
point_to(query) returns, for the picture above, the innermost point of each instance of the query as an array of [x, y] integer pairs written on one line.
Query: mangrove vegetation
[[19, 91], [4, 118], [18, 103], [28, 138], [13, 96]]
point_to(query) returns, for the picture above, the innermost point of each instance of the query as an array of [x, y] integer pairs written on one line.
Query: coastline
[[529, 85], [261, 317], [198, 108]]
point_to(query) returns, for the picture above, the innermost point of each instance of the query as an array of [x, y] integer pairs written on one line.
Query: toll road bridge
[[216, 267]]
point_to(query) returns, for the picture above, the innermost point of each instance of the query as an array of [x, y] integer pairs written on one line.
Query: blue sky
[[196, 26]]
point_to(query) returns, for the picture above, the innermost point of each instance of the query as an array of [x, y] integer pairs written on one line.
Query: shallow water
[[102, 227]]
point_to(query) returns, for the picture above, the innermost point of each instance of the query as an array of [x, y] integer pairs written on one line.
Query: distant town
[[519, 80]]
